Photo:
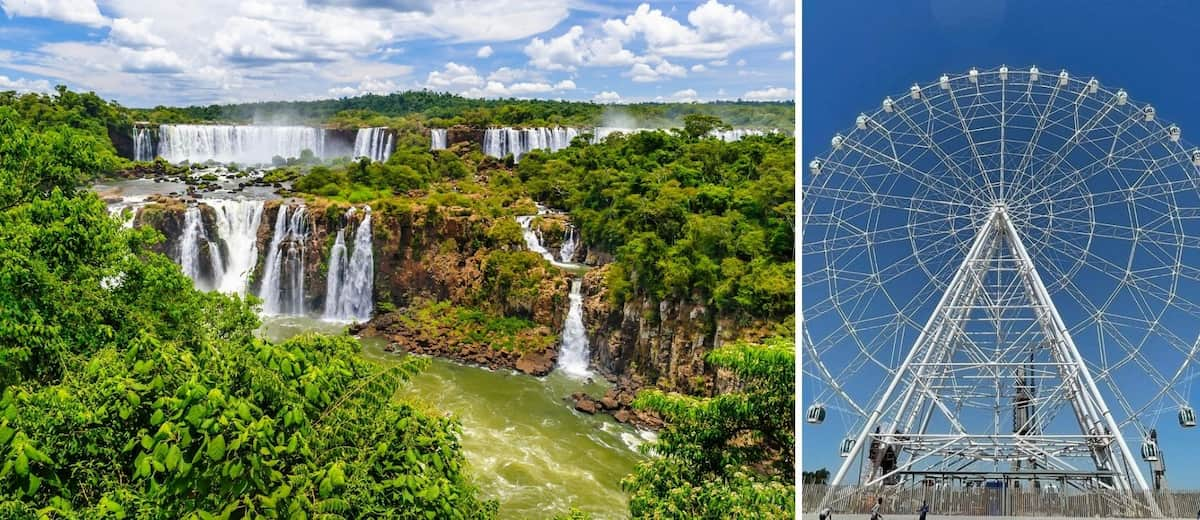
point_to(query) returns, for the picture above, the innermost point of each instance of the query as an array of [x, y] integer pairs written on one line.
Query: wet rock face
[[659, 344]]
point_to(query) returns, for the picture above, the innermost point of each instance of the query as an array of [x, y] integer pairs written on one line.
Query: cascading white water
[[350, 284], [189, 242], [573, 355], [282, 289], [373, 143], [143, 144], [237, 143], [533, 241], [567, 252], [132, 203], [500, 142], [437, 138], [735, 134], [237, 227]]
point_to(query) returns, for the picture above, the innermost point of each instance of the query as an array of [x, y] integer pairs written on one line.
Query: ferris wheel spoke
[[1129, 151], [919, 229], [956, 192], [971, 142]]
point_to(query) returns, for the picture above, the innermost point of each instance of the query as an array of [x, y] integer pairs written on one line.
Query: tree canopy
[[126, 392]]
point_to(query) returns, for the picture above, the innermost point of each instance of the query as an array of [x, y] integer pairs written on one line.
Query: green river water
[[525, 445]]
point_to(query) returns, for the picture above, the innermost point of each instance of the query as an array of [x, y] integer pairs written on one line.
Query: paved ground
[[895, 516]]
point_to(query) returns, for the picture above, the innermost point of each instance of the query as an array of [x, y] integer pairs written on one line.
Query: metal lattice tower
[[1000, 275]]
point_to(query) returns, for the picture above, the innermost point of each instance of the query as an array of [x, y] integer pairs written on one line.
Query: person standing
[[924, 509], [875, 514], [826, 514]]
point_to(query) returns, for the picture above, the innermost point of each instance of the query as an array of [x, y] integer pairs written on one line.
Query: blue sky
[[149, 52], [857, 52]]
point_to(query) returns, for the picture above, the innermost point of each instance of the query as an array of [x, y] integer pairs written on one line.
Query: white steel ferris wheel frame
[[936, 342], [998, 277]]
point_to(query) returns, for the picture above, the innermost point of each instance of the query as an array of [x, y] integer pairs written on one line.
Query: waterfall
[[350, 284], [437, 138], [132, 203], [189, 242], [143, 144], [570, 243], [373, 143], [282, 289], [237, 143], [573, 355], [237, 227], [500, 142], [533, 241], [735, 134]]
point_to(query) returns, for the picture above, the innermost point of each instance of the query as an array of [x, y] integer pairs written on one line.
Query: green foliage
[[688, 218], [447, 323], [818, 477], [441, 110], [35, 163], [699, 125], [126, 392], [728, 456]]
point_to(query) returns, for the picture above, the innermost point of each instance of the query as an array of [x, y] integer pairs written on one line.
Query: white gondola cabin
[[1033, 74], [1187, 417], [847, 446], [1173, 133], [1003, 73], [1122, 97], [1093, 86], [815, 166], [816, 414], [861, 121], [944, 82], [1149, 451], [1148, 113], [1063, 78], [888, 104], [837, 141], [1196, 156], [973, 75], [914, 91]]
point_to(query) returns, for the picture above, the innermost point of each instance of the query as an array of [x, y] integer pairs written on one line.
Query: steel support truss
[[985, 380]]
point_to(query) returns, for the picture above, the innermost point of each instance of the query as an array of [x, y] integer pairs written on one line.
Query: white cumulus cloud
[[786, 55], [484, 52], [152, 60], [84, 12], [134, 33], [24, 85], [607, 96], [685, 95], [769, 94]]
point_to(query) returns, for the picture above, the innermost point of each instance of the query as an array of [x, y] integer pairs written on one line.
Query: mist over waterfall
[[282, 289], [237, 143], [573, 356], [373, 143], [350, 282], [735, 134], [437, 138], [500, 142], [143, 145]]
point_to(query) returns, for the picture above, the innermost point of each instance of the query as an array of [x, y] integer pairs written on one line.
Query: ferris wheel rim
[[1070, 83]]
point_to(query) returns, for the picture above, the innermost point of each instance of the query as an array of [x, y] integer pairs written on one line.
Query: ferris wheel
[[1001, 276]]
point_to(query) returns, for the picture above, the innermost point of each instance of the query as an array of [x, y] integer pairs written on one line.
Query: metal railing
[[983, 501]]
